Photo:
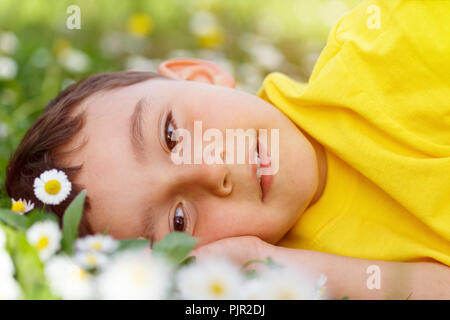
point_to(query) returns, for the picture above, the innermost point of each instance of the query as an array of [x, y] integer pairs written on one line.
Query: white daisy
[[52, 187], [91, 259], [6, 265], [134, 275], [4, 131], [212, 278], [289, 284], [74, 60], [8, 42], [9, 288], [45, 236], [21, 206], [2, 239], [68, 280], [97, 242], [320, 289], [203, 22], [254, 289], [8, 68]]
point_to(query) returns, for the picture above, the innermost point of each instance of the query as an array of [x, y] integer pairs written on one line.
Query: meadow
[[40, 55]]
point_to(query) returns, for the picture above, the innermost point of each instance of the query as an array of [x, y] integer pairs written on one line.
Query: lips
[[263, 161]]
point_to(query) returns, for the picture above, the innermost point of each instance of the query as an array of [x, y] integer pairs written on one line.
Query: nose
[[213, 178]]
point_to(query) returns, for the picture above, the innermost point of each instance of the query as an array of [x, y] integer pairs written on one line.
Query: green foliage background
[[296, 30]]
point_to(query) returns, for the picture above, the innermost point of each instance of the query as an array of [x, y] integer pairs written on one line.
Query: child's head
[[111, 134]]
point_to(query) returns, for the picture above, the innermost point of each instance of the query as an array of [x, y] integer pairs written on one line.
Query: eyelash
[[170, 143]]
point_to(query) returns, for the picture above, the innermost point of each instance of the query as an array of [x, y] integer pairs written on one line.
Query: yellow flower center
[[211, 39], [140, 24], [52, 187], [96, 246], [42, 243], [78, 273], [217, 288], [286, 295], [18, 207], [321, 291], [82, 274], [92, 260], [60, 45]]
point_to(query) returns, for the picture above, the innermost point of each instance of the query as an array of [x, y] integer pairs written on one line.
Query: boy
[[364, 156]]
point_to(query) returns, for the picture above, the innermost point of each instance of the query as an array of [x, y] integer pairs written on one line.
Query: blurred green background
[[39, 55]]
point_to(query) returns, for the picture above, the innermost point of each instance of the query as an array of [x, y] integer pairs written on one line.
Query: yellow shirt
[[378, 100]]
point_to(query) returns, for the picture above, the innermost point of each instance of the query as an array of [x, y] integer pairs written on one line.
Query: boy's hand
[[346, 276], [237, 249]]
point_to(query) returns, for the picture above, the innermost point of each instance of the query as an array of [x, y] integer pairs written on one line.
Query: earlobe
[[196, 70]]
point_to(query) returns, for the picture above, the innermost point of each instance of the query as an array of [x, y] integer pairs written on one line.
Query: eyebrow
[[137, 139], [136, 131]]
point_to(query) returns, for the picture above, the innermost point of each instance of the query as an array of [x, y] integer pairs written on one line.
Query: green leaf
[[250, 262], [272, 264], [250, 274], [269, 262], [37, 215], [10, 236], [71, 222], [175, 246], [29, 268], [345, 298], [187, 261], [128, 244], [13, 219]]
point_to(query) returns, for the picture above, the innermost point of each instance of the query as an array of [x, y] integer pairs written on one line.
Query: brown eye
[[169, 133], [179, 220]]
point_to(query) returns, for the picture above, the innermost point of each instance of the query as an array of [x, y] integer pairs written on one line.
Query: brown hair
[[55, 127]]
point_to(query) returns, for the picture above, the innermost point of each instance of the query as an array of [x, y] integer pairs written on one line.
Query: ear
[[196, 70]]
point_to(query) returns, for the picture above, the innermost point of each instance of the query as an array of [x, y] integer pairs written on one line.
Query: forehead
[[106, 104], [108, 165]]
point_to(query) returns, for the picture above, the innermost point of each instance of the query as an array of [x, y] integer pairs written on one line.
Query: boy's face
[[149, 195]]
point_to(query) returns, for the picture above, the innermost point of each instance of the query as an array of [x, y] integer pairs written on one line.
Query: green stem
[[245, 265]]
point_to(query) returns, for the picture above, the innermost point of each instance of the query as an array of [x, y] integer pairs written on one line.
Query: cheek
[[225, 220], [213, 223], [117, 224]]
